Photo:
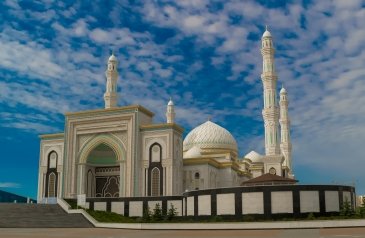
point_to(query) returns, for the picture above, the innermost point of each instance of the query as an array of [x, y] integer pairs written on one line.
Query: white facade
[[119, 152]]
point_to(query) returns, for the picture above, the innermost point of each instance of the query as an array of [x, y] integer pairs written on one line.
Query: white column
[[122, 179], [81, 177]]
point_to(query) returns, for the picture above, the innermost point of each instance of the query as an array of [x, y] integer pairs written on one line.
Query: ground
[[121, 233]]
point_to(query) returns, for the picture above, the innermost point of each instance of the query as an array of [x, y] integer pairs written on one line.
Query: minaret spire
[[270, 112], [170, 112], [110, 95], [285, 144]]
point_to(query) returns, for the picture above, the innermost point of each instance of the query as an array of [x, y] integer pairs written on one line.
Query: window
[[272, 171], [155, 182], [197, 182], [52, 160], [51, 185], [155, 153]]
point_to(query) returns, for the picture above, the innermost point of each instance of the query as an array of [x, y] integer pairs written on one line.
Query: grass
[[111, 217], [108, 217]]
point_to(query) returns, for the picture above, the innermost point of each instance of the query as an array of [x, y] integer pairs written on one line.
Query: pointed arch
[[52, 183], [109, 140], [155, 182]]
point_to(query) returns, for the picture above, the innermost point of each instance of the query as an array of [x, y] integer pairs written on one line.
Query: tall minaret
[[285, 144], [270, 112], [170, 112], [110, 95]]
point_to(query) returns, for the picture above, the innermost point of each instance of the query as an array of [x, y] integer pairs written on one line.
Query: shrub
[[157, 213], [311, 216], [147, 214], [248, 218], [361, 210], [346, 209], [217, 219], [171, 213]]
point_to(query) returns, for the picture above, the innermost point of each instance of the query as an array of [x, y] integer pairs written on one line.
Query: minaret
[[110, 95], [270, 112], [170, 112], [285, 144]]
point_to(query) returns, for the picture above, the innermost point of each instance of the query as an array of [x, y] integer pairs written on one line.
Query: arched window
[[155, 153], [155, 182], [52, 160], [52, 185], [197, 175], [272, 170]]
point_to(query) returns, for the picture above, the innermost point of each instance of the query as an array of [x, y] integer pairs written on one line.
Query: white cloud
[[9, 185], [319, 59]]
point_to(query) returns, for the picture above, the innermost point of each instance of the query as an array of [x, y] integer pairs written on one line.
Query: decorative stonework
[[122, 136], [210, 135], [82, 139]]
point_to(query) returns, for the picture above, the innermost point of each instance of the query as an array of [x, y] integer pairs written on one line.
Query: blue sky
[[205, 55]]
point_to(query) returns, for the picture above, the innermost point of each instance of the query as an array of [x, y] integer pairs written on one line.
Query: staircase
[[39, 216]]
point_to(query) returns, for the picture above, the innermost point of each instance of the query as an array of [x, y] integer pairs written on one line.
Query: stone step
[[39, 215]]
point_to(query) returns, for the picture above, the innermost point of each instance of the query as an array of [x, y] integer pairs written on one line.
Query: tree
[[362, 208], [157, 213], [147, 214], [171, 212], [346, 209]]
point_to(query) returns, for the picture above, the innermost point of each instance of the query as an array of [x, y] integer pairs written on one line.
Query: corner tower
[[170, 112], [285, 144], [110, 95], [270, 112]]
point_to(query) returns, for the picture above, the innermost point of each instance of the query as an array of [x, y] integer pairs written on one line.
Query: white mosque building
[[119, 152]]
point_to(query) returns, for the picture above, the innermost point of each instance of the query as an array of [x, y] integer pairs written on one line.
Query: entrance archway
[[102, 176]]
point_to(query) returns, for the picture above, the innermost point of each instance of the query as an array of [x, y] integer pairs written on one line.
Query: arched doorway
[[51, 176], [102, 176]]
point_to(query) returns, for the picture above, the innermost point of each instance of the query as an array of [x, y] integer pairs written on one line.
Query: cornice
[[151, 127], [116, 109], [52, 136]]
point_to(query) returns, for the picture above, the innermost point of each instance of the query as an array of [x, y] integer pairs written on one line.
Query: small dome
[[266, 34], [254, 157], [112, 58], [171, 103], [210, 136], [282, 90]]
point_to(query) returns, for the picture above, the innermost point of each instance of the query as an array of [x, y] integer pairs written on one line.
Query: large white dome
[[210, 136]]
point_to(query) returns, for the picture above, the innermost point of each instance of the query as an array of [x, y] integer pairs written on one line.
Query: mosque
[[117, 160], [119, 151]]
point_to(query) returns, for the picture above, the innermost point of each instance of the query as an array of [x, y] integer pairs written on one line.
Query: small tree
[[346, 209], [362, 208], [171, 213], [147, 214], [157, 213]]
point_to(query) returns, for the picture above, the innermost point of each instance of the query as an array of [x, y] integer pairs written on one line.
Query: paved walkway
[[120, 233]]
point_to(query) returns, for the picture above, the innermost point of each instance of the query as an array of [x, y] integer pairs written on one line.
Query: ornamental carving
[[122, 136], [82, 139]]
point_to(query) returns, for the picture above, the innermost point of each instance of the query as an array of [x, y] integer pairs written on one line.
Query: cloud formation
[[205, 55]]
